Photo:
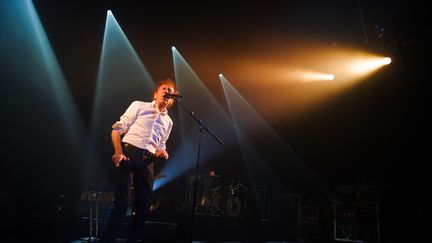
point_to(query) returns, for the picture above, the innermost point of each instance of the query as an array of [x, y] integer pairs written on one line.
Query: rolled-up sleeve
[[127, 118]]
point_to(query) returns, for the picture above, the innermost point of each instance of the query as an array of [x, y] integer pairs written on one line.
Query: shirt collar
[[153, 104]]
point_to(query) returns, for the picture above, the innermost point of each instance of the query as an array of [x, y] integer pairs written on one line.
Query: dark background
[[375, 134]]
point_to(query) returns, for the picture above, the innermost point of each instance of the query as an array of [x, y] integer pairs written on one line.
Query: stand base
[[89, 239]]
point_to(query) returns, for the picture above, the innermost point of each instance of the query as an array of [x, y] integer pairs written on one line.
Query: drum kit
[[216, 196]]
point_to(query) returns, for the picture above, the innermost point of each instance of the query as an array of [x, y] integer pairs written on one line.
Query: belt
[[144, 151]]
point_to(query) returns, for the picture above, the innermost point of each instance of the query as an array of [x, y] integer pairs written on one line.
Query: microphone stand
[[201, 128]]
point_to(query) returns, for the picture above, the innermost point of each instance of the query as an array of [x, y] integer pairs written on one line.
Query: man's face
[[161, 92]]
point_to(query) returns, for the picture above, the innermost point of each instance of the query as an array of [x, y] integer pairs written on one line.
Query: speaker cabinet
[[257, 205], [356, 222], [284, 215]]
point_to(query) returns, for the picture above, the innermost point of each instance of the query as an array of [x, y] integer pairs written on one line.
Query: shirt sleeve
[[127, 118], [162, 144]]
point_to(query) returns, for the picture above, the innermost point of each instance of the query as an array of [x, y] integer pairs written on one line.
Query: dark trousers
[[142, 179]]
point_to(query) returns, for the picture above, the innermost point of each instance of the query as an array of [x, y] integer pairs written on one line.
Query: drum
[[209, 195], [233, 206], [235, 199]]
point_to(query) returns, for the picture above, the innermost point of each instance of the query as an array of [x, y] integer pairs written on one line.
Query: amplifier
[[356, 222]]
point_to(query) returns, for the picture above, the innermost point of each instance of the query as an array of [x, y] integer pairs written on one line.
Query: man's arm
[[118, 150], [161, 150]]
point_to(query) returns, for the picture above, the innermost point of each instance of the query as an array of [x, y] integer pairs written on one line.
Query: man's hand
[[117, 158], [162, 154]]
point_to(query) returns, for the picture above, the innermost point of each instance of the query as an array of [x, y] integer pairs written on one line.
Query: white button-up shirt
[[144, 126]]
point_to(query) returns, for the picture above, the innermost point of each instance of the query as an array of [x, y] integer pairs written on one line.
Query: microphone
[[169, 96]]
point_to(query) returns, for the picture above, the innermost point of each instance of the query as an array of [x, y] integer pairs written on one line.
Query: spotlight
[[386, 60], [366, 65], [173, 48]]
